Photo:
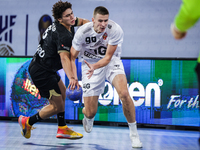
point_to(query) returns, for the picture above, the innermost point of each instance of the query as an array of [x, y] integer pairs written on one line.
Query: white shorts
[[96, 84]]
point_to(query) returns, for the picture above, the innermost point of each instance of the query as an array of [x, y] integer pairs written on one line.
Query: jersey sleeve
[[63, 43], [188, 15], [78, 39], [61, 37], [116, 36]]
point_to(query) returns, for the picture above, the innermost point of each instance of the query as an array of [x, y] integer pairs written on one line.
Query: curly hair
[[59, 7]]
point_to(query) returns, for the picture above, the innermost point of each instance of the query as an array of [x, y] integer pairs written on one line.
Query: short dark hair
[[59, 7], [100, 10]]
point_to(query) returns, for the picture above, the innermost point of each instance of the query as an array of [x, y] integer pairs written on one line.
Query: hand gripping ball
[[75, 94]]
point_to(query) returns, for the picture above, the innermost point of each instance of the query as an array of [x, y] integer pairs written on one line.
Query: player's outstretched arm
[[82, 21]]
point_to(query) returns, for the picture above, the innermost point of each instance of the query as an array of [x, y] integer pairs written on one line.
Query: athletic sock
[[61, 119], [35, 118], [133, 128]]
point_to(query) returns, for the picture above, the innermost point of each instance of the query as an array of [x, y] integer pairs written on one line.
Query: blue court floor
[[101, 138]]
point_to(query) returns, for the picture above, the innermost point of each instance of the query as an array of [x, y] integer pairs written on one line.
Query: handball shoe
[[88, 124], [26, 128], [135, 140], [66, 133]]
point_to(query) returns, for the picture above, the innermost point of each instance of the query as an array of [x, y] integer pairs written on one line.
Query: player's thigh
[[120, 84]]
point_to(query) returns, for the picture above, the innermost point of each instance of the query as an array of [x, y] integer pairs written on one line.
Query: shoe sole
[[136, 146], [70, 138]]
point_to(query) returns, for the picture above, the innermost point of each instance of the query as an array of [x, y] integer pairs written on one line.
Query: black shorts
[[45, 81]]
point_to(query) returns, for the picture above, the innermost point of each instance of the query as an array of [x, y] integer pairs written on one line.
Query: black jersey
[[55, 39]]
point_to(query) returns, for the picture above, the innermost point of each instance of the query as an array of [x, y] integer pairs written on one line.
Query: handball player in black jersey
[[53, 54]]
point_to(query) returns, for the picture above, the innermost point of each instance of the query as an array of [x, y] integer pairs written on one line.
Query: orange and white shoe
[[26, 128], [66, 133]]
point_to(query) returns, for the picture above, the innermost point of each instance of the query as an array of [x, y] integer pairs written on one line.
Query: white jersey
[[92, 45]]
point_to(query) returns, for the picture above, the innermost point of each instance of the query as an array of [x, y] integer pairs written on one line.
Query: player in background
[[99, 45], [187, 17], [53, 53]]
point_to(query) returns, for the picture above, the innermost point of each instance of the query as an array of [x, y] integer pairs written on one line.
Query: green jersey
[[188, 15]]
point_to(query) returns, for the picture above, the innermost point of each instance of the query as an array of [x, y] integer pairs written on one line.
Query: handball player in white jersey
[[98, 44]]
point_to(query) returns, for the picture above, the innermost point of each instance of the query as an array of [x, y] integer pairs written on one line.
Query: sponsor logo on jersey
[[105, 36], [65, 47], [116, 67], [90, 55], [86, 85], [109, 26], [40, 51]]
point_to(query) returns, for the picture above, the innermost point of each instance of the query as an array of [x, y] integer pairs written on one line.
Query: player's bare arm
[[103, 62], [65, 60], [73, 55], [82, 21]]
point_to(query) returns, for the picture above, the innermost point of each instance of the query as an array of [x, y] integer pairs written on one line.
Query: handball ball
[[75, 94]]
